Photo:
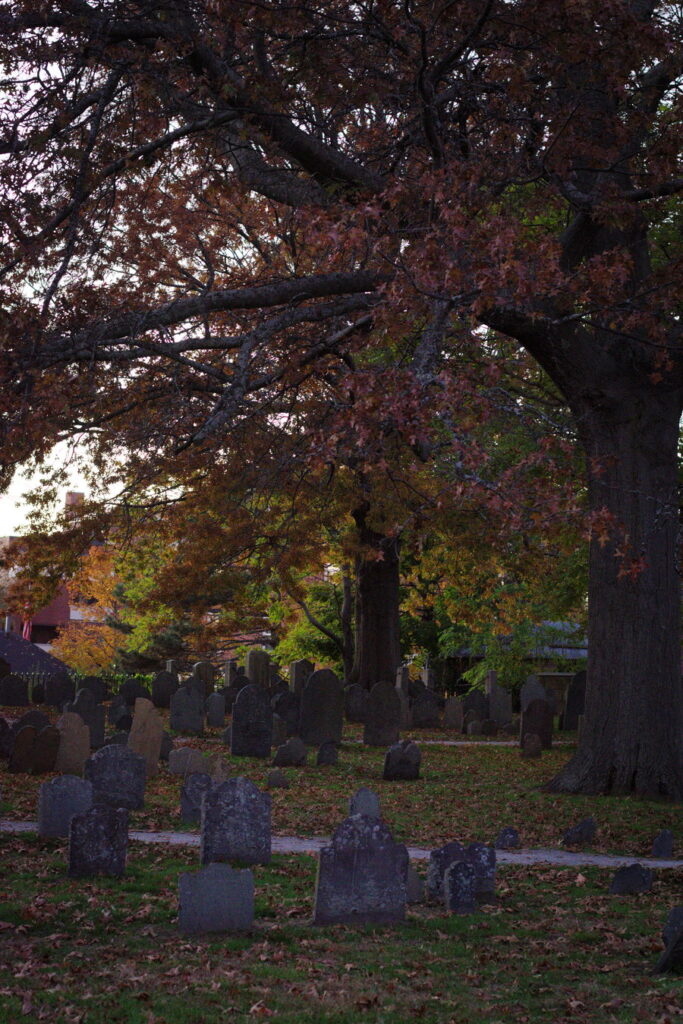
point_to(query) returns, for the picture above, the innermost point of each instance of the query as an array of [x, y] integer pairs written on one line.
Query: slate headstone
[[477, 702], [216, 899], [229, 671], [327, 754], [252, 723], [355, 703], [186, 760], [287, 706], [453, 714], [531, 746], [145, 734], [206, 674], [439, 860], [631, 879], [291, 754], [532, 689], [663, 845], [537, 718], [383, 716], [215, 711], [402, 762], [575, 701], [192, 793], [365, 801], [59, 800], [236, 823], [500, 700], [426, 711], [92, 713], [322, 709], [187, 711], [118, 777], [118, 708], [98, 842], [257, 667], [299, 672], [460, 888], [164, 685], [580, 834]]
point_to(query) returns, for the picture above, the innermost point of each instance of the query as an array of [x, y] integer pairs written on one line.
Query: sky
[[13, 506]]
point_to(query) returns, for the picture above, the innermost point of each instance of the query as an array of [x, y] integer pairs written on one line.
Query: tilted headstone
[[146, 733], [131, 689], [663, 845], [361, 875], [356, 700], [299, 672], [236, 823], [575, 701], [365, 802], [439, 860], [98, 842], [507, 839], [633, 878], [96, 685], [59, 690], [215, 711], [118, 777], [216, 899], [402, 762], [291, 754], [92, 713], [13, 691], [383, 716], [532, 689], [287, 706], [426, 711], [500, 700], [192, 792], [205, 673], [584, 832], [460, 888], [164, 685], [537, 718], [257, 667], [59, 800], [187, 711], [252, 723], [322, 709], [453, 714], [483, 858], [327, 754], [186, 760]]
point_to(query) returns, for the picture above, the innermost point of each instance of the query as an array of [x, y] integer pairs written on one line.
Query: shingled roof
[[25, 657]]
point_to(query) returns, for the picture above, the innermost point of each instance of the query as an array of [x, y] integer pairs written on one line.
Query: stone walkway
[[292, 844]]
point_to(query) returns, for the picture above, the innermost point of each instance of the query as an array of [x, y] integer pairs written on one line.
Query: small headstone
[[365, 802], [531, 746], [425, 711], [187, 711], [322, 709], [22, 750], [299, 672], [382, 717], [59, 800], [252, 723], [186, 760], [663, 845], [118, 777], [92, 714], [673, 925], [216, 899], [215, 711], [439, 861], [146, 733], [575, 701], [631, 879], [580, 834], [191, 795], [537, 718], [460, 888], [355, 703], [361, 875], [257, 667], [98, 842], [507, 839], [483, 858], [131, 689], [293, 753], [531, 690], [327, 754], [164, 685], [402, 762], [453, 714], [276, 779], [13, 691], [236, 823]]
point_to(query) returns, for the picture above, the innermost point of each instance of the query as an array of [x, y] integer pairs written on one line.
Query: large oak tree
[[212, 209]]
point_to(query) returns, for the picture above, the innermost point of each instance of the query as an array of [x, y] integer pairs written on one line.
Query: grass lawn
[[555, 948]]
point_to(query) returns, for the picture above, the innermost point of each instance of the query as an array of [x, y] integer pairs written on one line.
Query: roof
[[23, 657]]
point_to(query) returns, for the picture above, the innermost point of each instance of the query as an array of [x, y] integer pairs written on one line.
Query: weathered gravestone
[[453, 714], [257, 667], [474, 725], [287, 706], [299, 673], [131, 689], [633, 878], [217, 898], [34, 718], [205, 673], [460, 888], [425, 711], [355, 702], [415, 889], [252, 723], [575, 701], [365, 802], [361, 875], [279, 736], [584, 832], [532, 689], [186, 760], [236, 823], [229, 672], [322, 709], [439, 861], [671, 960], [215, 710], [230, 692], [531, 746], [500, 700], [59, 800], [74, 744], [6, 738], [92, 713], [166, 747], [291, 754], [192, 792], [96, 685], [537, 718], [118, 777], [276, 779], [98, 842], [327, 754], [34, 751], [145, 734], [403, 680], [187, 711], [118, 709], [483, 859], [164, 685], [507, 839], [383, 716], [59, 690], [402, 762], [477, 702], [13, 691], [663, 845]]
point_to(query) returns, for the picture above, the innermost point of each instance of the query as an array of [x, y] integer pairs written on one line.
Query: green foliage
[[304, 640]]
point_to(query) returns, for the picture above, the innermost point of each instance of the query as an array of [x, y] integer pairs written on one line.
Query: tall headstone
[[229, 671], [356, 700], [118, 777], [575, 702], [257, 667], [453, 714], [215, 711], [59, 800], [236, 823], [164, 685], [425, 710], [287, 705], [92, 713], [500, 700], [383, 717], [299, 672], [532, 689], [206, 674], [217, 898], [322, 709], [98, 842], [403, 680], [537, 719], [187, 711], [252, 723], [145, 734], [361, 875]]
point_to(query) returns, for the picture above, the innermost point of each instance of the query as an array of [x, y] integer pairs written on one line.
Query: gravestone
[[252, 723], [96, 685], [13, 691], [365, 802], [489, 727], [355, 702], [186, 760], [663, 845], [631, 879], [403, 680], [322, 709], [34, 750], [164, 685], [383, 716], [507, 839], [276, 779], [145, 734], [439, 860], [215, 711], [229, 672], [460, 888], [174, 666], [92, 714], [474, 726], [328, 754], [166, 747], [59, 690], [205, 673], [118, 777], [453, 714], [236, 823], [483, 859], [415, 889], [299, 672], [477, 702], [187, 711], [575, 701], [538, 719], [500, 700], [74, 744], [98, 842], [6, 738], [361, 875], [230, 692], [531, 746], [34, 718], [118, 708], [257, 667], [531, 690], [216, 899], [671, 960], [59, 800], [425, 711], [131, 689], [21, 750], [279, 736], [291, 754], [584, 832], [192, 793], [402, 762], [287, 706]]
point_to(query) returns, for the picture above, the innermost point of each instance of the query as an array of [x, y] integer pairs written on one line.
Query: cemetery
[[191, 865]]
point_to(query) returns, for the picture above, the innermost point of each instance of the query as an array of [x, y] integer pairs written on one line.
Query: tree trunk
[[632, 732], [348, 639], [377, 652]]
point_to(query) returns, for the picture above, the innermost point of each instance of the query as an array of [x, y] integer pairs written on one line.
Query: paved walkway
[[292, 844]]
